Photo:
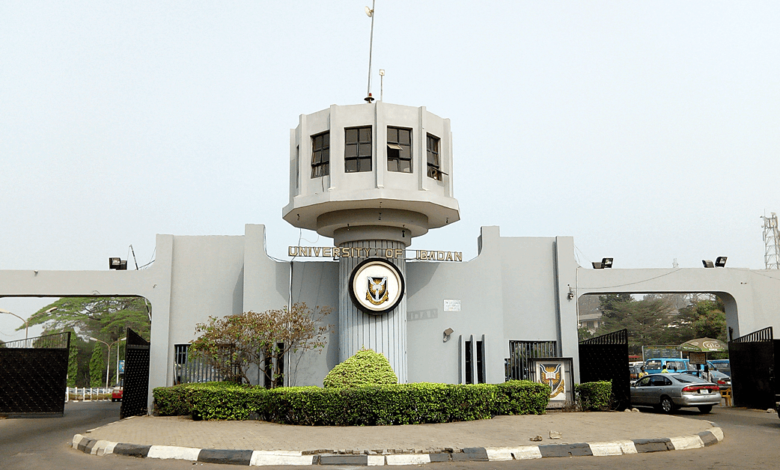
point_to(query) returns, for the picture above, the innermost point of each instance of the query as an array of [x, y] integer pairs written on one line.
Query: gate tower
[[372, 177]]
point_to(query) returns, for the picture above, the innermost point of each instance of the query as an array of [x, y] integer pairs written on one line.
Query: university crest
[[377, 290], [552, 375]]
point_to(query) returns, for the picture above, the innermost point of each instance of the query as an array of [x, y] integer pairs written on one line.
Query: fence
[[521, 353], [606, 358]]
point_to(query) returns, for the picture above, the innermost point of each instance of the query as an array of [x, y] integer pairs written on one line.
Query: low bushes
[[366, 405], [365, 367], [594, 396]]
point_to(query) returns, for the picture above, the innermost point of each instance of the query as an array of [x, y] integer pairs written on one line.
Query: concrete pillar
[[385, 333]]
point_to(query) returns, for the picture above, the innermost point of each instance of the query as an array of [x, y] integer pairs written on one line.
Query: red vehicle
[[116, 393]]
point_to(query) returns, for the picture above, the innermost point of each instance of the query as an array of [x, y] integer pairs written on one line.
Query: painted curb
[[397, 456]]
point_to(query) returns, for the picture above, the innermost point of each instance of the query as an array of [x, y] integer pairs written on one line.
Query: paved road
[[752, 442]]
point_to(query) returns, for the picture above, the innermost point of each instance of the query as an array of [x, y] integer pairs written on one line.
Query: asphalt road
[[752, 442]]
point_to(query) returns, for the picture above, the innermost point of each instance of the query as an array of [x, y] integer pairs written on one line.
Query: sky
[[646, 130]]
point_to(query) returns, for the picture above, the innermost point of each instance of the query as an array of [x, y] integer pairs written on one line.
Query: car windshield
[[688, 379], [653, 365]]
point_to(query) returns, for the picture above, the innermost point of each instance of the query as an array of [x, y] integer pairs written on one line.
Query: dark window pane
[[317, 158], [325, 169], [352, 136], [405, 166], [326, 140], [326, 155], [351, 166], [365, 134], [318, 142], [406, 153], [365, 150], [431, 158], [392, 165], [351, 151], [365, 164], [404, 136], [392, 134]]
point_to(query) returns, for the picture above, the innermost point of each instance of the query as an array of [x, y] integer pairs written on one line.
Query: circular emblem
[[376, 286]]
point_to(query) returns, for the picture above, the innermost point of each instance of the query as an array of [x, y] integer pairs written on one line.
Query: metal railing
[[759, 336], [521, 353], [53, 341]]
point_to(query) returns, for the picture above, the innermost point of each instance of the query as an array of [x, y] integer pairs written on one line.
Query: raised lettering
[[317, 251], [399, 253], [440, 256], [389, 253], [292, 251], [449, 256], [326, 252], [458, 256]]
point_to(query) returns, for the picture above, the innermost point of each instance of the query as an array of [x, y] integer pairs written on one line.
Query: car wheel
[[704, 409], [667, 405]]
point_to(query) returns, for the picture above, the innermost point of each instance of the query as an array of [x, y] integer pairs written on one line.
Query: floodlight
[[708, 263], [606, 262], [721, 261]]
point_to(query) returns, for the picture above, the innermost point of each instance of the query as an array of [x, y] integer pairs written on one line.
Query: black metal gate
[[33, 376], [754, 362], [518, 365], [136, 386], [605, 358]]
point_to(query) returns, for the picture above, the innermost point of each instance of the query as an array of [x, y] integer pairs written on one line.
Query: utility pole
[[771, 242]]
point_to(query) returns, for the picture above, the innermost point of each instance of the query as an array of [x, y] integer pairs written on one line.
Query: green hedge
[[177, 401], [368, 405], [594, 396]]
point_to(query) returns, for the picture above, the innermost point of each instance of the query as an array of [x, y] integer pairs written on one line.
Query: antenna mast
[[771, 242], [370, 13]]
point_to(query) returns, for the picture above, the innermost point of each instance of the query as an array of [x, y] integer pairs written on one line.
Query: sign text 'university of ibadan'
[[356, 252]]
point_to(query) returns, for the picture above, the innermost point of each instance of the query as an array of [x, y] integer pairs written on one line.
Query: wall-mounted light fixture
[[447, 334], [117, 263], [606, 263], [720, 262]]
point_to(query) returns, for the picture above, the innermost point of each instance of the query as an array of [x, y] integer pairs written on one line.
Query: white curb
[[687, 442], [408, 459], [376, 460], [527, 453], [171, 452], [281, 457]]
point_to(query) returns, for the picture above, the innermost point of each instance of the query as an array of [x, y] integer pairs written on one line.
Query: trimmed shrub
[[177, 401], [365, 405], [366, 367], [594, 396]]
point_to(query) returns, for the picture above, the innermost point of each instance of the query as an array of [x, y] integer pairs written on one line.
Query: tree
[[646, 320], [583, 334], [73, 365], [704, 319], [96, 367], [235, 343], [105, 318]]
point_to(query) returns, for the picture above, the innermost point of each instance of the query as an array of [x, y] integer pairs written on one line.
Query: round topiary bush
[[366, 367]]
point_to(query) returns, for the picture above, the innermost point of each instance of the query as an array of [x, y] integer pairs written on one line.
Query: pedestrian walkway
[[500, 438]]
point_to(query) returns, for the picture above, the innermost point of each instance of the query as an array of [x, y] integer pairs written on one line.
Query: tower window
[[357, 150], [320, 155], [434, 164], [399, 149]]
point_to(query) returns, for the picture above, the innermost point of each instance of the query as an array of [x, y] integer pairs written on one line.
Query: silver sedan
[[668, 392]]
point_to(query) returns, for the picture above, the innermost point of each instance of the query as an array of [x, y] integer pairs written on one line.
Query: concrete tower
[[372, 177]]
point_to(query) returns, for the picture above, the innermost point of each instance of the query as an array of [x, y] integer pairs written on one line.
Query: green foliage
[[105, 318], [235, 343], [646, 320], [96, 367], [583, 334], [366, 367], [594, 396], [73, 365], [366, 405]]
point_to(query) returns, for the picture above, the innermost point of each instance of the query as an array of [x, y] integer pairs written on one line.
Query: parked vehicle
[[722, 380], [669, 392], [656, 365], [116, 393], [633, 372], [721, 365]]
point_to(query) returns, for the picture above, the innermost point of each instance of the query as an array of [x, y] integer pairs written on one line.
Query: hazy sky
[[648, 131]]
